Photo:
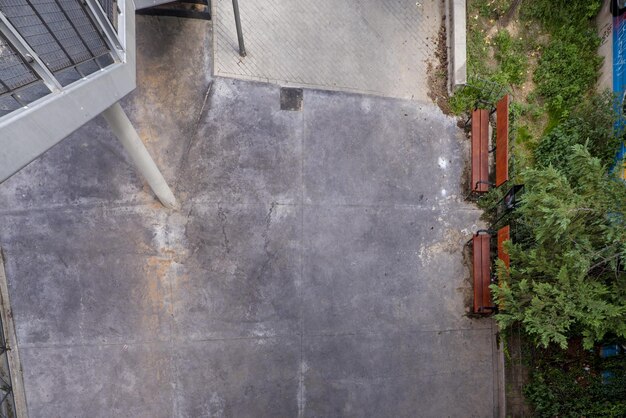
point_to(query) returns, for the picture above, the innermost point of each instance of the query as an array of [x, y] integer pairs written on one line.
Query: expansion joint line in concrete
[[301, 371]]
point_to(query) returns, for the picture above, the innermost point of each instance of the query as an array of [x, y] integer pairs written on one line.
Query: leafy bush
[[593, 123], [569, 63], [483, 92], [570, 384], [568, 68], [557, 14], [557, 393], [565, 280]]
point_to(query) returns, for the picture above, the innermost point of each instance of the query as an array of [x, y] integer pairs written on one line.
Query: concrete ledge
[[456, 29], [144, 4]]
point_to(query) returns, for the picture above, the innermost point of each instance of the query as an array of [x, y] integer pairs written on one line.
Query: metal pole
[[128, 136], [242, 47]]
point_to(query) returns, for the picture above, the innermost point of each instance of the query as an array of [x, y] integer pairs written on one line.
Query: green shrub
[[564, 280], [463, 100], [557, 14], [593, 123], [483, 92], [567, 70], [566, 384], [576, 393], [569, 63]]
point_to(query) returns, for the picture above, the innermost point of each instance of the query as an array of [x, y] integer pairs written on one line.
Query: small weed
[[477, 52], [490, 9], [523, 135], [510, 55]]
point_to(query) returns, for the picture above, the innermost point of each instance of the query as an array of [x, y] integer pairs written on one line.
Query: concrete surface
[[381, 47], [456, 31], [316, 267]]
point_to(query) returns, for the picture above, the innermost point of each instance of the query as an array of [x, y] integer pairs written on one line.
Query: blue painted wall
[[619, 67]]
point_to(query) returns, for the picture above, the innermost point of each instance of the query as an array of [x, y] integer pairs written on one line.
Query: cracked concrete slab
[[315, 268], [243, 274], [253, 150]]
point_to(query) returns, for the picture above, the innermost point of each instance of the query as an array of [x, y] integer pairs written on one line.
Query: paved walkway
[[380, 47], [315, 270]]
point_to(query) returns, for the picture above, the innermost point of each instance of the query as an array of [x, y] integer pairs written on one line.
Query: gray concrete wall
[[456, 26]]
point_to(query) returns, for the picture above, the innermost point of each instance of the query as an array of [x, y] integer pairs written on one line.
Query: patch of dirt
[[438, 73], [453, 240], [511, 12], [513, 27]]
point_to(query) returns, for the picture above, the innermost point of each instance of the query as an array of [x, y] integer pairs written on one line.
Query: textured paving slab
[[315, 269], [370, 46]]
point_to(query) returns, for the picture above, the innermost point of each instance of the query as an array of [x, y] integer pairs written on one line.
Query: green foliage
[[565, 385], [568, 68], [510, 55], [462, 101], [565, 280], [557, 14], [478, 91], [511, 70], [523, 135], [491, 198], [491, 9], [591, 123], [556, 393], [531, 110], [569, 63], [477, 57], [477, 52], [511, 67]]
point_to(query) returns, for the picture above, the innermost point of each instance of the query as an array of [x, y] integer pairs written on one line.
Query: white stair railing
[[62, 62]]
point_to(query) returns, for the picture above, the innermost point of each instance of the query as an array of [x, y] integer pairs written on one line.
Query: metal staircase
[[62, 62]]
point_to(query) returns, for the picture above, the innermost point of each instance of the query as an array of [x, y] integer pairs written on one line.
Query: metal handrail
[[34, 124], [38, 124]]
